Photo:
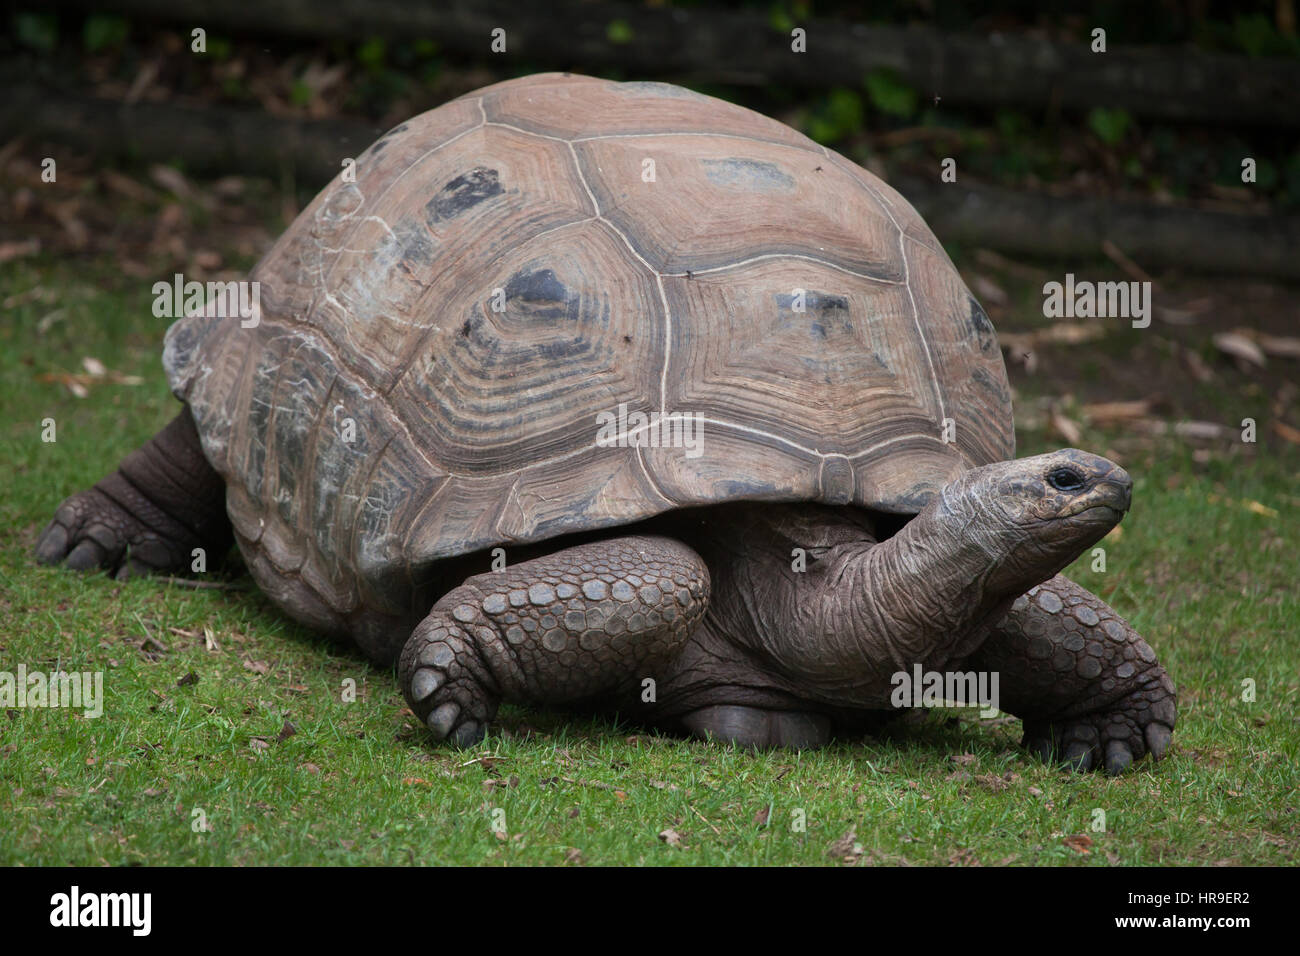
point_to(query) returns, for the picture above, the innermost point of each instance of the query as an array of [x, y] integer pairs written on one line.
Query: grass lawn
[[262, 760]]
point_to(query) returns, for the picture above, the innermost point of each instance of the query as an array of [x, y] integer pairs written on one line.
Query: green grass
[[1210, 582]]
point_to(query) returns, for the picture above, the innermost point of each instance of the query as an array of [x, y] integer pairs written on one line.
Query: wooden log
[[741, 47], [220, 141], [1158, 237]]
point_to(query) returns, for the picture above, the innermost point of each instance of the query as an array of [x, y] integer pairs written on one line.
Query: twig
[[1116, 255], [148, 637], [705, 819], [201, 585]]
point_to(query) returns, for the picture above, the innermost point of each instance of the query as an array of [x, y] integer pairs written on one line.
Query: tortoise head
[[1033, 516]]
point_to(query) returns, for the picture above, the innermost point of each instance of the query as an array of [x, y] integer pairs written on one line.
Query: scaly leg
[[163, 501], [1086, 685], [588, 622]]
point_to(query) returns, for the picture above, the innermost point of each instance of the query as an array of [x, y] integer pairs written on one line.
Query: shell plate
[[439, 338]]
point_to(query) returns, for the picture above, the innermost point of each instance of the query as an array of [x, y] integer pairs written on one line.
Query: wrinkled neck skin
[[942, 576], [862, 610]]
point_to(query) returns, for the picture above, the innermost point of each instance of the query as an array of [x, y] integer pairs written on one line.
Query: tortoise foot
[[1087, 686], [113, 527], [446, 683], [1114, 737], [163, 501]]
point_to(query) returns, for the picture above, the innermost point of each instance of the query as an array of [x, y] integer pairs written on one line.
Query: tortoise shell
[[442, 334]]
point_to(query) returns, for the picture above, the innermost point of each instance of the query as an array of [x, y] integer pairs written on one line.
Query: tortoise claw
[[442, 719], [1118, 757]]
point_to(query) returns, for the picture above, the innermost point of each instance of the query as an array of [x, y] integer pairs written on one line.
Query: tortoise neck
[[923, 587]]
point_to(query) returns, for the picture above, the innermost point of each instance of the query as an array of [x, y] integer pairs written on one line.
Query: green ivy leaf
[[1109, 125], [101, 32], [39, 31], [371, 53], [619, 31], [891, 95]]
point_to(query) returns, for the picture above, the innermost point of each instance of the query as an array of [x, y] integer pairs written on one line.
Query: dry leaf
[[257, 667], [1079, 843], [1107, 412], [1239, 347], [171, 179], [671, 837], [1279, 346], [846, 848], [17, 250], [1196, 365], [1286, 432], [1066, 428], [988, 290]]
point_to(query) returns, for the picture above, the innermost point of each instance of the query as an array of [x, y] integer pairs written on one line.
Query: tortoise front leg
[[1086, 685], [591, 621]]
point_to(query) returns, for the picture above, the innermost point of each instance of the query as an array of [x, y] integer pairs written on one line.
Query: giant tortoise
[[617, 397]]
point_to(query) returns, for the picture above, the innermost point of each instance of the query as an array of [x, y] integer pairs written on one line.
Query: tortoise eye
[[1066, 479]]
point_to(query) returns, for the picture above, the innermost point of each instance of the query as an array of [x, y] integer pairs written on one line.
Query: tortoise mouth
[[1112, 496], [1109, 510]]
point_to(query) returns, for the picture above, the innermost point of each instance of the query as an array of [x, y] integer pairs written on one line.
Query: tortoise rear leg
[[588, 622], [1087, 686], [163, 501]]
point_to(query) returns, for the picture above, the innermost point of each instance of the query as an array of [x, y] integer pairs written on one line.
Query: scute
[[442, 339]]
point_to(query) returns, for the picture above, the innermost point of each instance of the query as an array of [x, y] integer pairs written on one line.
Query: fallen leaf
[[671, 837], [257, 667], [989, 291], [171, 179], [17, 250], [846, 848], [992, 782], [1066, 428], [1196, 365], [1286, 432], [1106, 412], [1079, 843], [188, 680], [1239, 347], [287, 731], [574, 856], [1279, 346]]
